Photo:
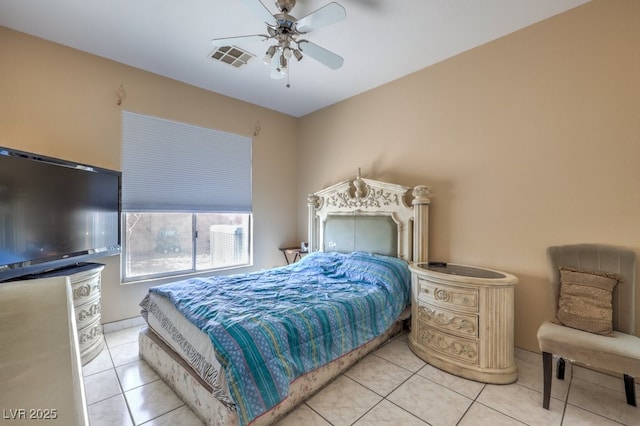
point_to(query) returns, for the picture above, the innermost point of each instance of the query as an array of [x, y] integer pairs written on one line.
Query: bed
[[247, 348]]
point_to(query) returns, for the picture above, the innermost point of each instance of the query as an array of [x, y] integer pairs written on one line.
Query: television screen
[[54, 213]]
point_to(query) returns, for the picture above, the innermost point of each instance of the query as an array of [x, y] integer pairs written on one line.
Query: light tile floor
[[391, 386]]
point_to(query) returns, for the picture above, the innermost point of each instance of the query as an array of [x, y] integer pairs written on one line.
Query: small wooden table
[[296, 252]]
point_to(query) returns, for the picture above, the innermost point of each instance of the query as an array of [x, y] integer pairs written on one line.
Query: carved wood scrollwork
[[448, 345], [373, 199], [442, 295], [421, 192], [85, 289], [87, 335], [447, 321], [92, 311], [82, 291]]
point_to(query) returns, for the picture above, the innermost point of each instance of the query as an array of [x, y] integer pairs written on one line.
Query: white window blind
[[172, 166]]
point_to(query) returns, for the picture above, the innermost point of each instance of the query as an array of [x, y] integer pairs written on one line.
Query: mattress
[[189, 342]]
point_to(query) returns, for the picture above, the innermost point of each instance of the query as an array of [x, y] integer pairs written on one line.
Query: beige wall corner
[[60, 102], [528, 141]]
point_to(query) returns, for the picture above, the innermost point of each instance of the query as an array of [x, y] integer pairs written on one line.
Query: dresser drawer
[[89, 339], [86, 289], [87, 313], [461, 324], [464, 350], [455, 297]]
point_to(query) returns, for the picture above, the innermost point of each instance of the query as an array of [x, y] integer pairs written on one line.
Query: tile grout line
[[124, 395], [403, 409], [101, 372], [384, 397], [473, 401], [311, 408]]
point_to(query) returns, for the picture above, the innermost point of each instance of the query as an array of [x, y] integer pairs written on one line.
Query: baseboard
[[122, 324]]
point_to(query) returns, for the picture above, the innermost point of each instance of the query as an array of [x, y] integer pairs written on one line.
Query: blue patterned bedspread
[[270, 327]]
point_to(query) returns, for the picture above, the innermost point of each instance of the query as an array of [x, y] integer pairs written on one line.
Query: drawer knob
[[442, 295], [82, 291]]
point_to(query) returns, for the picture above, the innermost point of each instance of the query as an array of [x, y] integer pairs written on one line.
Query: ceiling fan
[[287, 32]]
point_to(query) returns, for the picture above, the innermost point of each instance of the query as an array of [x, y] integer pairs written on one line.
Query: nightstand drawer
[[461, 324], [454, 297], [465, 350]]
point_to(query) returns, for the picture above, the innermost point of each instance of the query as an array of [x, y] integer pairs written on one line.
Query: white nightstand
[[462, 320]]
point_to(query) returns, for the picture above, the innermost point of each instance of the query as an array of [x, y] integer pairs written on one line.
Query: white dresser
[[462, 320], [86, 288]]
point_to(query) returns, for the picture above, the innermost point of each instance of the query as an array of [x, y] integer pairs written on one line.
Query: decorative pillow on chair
[[585, 300]]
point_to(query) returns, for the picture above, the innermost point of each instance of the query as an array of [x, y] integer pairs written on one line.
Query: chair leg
[[630, 389], [560, 369], [547, 367]]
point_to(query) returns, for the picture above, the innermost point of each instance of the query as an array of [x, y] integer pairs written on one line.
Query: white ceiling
[[380, 40]]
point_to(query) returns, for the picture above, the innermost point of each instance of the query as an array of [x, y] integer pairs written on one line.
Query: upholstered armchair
[[580, 332]]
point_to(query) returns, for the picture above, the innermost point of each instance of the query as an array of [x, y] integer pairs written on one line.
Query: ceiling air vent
[[232, 55]]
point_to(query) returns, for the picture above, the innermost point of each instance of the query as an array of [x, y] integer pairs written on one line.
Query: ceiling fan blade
[[326, 15], [321, 54], [228, 41], [261, 10]]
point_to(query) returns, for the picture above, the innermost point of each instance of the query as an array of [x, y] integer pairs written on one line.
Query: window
[[160, 244], [186, 198]]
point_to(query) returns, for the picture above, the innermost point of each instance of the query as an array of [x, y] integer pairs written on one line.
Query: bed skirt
[[197, 394]]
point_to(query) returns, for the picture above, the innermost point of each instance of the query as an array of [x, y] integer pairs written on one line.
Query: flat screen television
[[54, 213]]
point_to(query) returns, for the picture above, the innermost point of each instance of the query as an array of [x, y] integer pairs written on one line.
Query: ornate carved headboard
[[368, 215]]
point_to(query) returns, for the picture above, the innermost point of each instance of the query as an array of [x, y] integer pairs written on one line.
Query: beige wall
[[529, 141], [60, 102]]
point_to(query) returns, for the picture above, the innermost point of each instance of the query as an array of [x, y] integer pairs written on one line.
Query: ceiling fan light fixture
[[283, 64], [269, 55], [297, 54], [287, 52]]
